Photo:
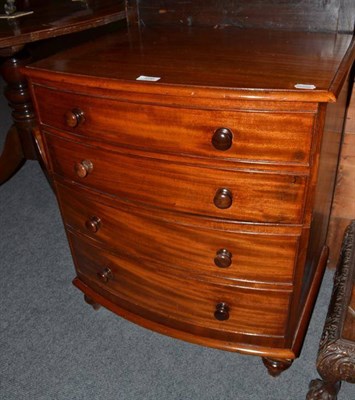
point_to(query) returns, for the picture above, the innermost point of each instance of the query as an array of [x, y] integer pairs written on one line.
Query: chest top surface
[[245, 61]]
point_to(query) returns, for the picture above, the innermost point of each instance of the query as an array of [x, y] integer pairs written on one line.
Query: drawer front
[[205, 191], [192, 245], [176, 301], [255, 136]]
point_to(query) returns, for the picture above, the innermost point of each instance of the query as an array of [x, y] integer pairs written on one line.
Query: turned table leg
[[276, 367], [19, 144], [12, 157]]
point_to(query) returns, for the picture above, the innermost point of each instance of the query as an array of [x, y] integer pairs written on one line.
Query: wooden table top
[[247, 61], [58, 18]]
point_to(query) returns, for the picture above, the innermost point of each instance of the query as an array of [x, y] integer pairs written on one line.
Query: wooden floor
[[344, 201]]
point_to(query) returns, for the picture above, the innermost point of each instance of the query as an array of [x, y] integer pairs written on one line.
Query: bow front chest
[[194, 170]]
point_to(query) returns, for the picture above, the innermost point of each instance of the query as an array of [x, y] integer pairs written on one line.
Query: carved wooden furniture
[[336, 356], [50, 19], [194, 169]]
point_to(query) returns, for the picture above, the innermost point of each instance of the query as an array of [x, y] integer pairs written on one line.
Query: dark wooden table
[[336, 357], [50, 19]]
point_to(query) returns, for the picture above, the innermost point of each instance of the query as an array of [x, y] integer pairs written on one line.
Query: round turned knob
[[83, 168], [222, 312], [223, 198], [105, 275], [74, 117], [93, 224], [223, 258], [222, 139]]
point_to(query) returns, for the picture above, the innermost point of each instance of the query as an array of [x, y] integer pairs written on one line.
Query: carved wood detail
[[336, 356], [320, 390]]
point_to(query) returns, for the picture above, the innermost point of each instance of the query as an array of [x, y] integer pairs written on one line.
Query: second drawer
[[227, 194]]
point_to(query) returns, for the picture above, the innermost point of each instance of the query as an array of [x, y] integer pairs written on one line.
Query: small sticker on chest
[[304, 86], [148, 78]]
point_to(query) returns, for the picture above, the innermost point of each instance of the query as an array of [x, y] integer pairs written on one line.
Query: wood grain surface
[[269, 136], [170, 298], [188, 244], [183, 186], [200, 62]]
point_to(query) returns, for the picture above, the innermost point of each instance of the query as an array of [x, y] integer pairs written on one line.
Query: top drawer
[[249, 136]]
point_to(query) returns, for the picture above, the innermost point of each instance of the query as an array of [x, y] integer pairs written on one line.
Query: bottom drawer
[[180, 301]]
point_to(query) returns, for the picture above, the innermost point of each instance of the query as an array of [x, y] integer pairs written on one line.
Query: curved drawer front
[[256, 136], [178, 302], [236, 195], [194, 245]]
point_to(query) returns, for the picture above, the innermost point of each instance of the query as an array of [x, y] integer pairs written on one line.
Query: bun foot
[[320, 390], [90, 301], [275, 367]]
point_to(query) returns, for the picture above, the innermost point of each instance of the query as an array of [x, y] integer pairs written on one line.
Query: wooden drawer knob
[[74, 117], [83, 168], [222, 312], [222, 139], [223, 198], [105, 275], [93, 224], [223, 258]]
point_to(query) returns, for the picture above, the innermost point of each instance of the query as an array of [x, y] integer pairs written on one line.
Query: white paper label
[[148, 78], [304, 86]]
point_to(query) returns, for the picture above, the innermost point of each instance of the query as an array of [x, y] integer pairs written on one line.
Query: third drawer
[[198, 246]]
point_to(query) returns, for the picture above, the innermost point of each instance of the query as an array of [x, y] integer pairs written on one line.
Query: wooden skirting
[[343, 210]]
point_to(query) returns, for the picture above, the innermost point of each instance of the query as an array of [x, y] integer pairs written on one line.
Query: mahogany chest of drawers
[[195, 181]]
